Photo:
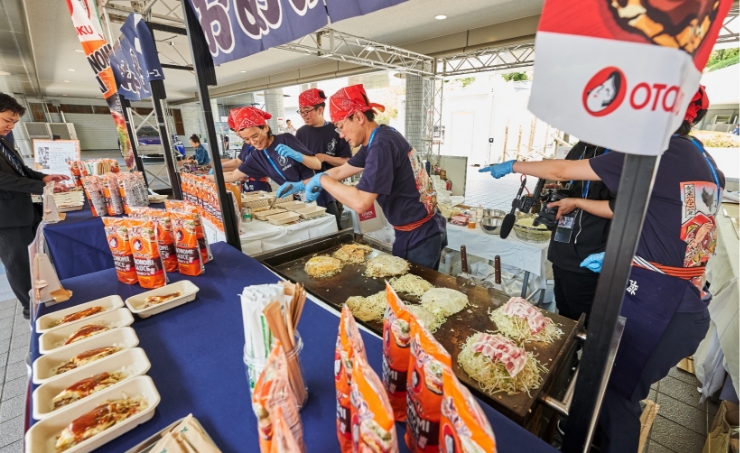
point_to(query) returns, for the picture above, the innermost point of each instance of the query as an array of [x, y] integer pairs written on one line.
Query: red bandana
[[245, 117], [350, 100], [700, 101], [311, 97]]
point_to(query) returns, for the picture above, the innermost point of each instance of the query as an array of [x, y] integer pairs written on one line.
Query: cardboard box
[[687, 365]]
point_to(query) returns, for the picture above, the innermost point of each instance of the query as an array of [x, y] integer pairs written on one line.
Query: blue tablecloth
[[196, 356], [77, 245]]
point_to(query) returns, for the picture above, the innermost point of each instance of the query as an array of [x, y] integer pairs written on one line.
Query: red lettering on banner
[[658, 87], [647, 96], [84, 30], [369, 214], [673, 89]]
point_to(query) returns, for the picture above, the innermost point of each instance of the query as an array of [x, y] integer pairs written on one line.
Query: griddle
[[334, 291]]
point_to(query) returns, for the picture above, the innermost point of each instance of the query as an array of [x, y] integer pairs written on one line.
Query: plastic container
[[283, 218], [255, 365], [55, 338], [132, 362], [246, 214], [186, 288], [43, 435], [311, 212], [43, 367], [44, 323]]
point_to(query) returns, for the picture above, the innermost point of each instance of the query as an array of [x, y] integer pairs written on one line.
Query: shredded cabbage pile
[[517, 328], [368, 308], [411, 284], [493, 377]]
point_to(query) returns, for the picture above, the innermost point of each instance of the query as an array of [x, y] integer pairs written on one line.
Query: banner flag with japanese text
[[620, 74], [134, 60], [235, 29], [97, 50]]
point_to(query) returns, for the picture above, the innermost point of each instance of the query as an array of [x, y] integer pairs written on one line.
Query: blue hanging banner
[[344, 9], [134, 60], [235, 29]]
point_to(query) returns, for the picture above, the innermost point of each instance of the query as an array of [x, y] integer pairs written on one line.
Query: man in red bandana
[[666, 299], [321, 137], [281, 157], [392, 174]]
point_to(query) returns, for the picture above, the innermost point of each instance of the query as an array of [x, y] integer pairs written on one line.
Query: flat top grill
[[452, 334]]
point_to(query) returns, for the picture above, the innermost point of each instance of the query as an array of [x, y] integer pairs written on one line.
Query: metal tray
[[289, 262]]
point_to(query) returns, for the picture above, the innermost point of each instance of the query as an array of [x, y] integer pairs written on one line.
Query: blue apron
[[650, 301]]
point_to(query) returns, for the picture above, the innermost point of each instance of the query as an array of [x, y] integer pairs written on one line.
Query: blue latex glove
[[499, 170], [284, 191], [313, 187], [287, 151], [594, 262]]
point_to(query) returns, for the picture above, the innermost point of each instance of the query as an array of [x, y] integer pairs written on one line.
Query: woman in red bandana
[[320, 137], [281, 157], [392, 174], [666, 299]]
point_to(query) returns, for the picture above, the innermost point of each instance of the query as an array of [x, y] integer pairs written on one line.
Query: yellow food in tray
[[411, 284], [323, 266]]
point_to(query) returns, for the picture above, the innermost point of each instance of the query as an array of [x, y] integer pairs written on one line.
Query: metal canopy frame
[[488, 59], [335, 45]]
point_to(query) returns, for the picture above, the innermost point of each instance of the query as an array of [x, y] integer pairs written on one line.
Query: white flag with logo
[[620, 74]]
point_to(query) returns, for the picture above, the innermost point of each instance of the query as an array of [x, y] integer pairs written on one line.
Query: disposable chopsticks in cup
[[276, 321]]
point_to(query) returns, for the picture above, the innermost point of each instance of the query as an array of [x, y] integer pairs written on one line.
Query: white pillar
[[274, 106]]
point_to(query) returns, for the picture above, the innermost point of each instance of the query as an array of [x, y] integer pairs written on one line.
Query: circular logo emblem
[[138, 245], [449, 439], [605, 91], [113, 242], [179, 235], [283, 160]]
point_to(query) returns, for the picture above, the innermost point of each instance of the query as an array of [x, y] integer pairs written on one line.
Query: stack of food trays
[[91, 377]]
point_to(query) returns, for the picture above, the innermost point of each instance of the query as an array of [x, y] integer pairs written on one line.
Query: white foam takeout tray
[[285, 217], [43, 367], [293, 205], [43, 324], [55, 338], [186, 288], [43, 435], [131, 362], [310, 212]]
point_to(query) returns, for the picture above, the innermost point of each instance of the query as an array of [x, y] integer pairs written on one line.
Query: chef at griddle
[[666, 298], [321, 137], [249, 184], [279, 157], [392, 174]]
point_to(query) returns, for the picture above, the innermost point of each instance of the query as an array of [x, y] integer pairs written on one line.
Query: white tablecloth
[[718, 352], [258, 237], [528, 256]]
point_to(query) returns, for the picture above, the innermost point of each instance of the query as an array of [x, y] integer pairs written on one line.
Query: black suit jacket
[[16, 207]]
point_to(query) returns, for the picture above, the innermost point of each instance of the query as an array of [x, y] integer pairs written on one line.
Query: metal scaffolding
[[727, 34], [488, 59], [335, 45]]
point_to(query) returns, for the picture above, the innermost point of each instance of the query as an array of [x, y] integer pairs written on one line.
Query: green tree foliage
[[515, 76], [723, 58]]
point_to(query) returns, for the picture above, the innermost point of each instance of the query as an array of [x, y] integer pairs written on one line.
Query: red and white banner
[[98, 51], [620, 74]]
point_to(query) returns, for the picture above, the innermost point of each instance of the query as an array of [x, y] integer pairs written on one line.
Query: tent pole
[[636, 183], [205, 75]]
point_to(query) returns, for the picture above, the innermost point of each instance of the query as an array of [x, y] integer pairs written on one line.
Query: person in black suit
[[18, 217]]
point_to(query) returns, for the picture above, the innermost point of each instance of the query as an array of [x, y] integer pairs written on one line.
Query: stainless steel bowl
[[491, 225], [490, 213]]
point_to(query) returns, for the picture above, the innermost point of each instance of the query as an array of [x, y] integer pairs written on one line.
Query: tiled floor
[[14, 344]]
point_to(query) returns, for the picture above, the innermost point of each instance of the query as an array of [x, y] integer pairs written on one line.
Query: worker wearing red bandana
[[666, 299], [281, 157], [392, 174], [321, 138]]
